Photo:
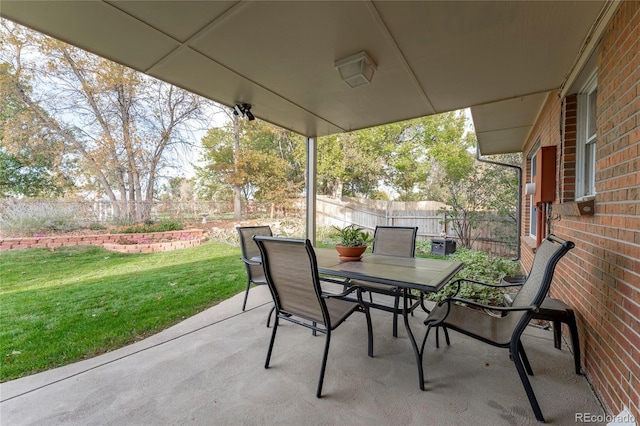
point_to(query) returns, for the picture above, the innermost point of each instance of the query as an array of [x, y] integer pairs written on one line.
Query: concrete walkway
[[209, 370]]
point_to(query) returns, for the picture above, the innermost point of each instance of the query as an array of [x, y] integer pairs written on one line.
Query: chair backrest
[[249, 247], [536, 286], [291, 270], [395, 241]]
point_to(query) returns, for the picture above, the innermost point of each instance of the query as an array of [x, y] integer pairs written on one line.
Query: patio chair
[[504, 331], [255, 272], [553, 310], [391, 241], [291, 272]]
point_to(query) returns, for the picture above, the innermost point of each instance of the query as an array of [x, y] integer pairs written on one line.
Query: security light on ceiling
[[357, 69], [243, 110]]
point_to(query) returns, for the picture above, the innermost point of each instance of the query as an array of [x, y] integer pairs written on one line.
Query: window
[[586, 141], [533, 210]]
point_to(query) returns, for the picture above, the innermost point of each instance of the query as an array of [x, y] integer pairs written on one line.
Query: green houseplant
[[352, 242]]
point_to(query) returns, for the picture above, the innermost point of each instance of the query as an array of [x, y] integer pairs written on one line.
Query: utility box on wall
[[442, 247], [545, 179]]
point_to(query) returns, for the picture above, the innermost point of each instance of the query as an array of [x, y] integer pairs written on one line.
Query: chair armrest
[[490, 307], [349, 290], [334, 281], [469, 280], [489, 284], [252, 261]]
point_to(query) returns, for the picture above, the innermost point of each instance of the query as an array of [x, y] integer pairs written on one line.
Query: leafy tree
[[213, 179], [474, 190], [262, 161], [32, 161], [330, 166], [29, 177], [178, 188], [396, 155], [120, 125]]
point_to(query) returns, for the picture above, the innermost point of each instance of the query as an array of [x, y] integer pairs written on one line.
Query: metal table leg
[[414, 345]]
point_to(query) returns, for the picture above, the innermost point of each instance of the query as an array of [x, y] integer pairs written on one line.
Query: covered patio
[[209, 369], [518, 66]]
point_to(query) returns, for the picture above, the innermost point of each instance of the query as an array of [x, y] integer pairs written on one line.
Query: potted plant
[[352, 242]]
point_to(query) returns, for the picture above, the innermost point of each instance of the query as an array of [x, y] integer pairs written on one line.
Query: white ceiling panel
[[94, 26], [178, 19], [432, 56], [204, 77], [504, 126], [487, 51]]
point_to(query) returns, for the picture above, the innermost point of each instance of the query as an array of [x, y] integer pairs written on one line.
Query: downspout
[[519, 206]]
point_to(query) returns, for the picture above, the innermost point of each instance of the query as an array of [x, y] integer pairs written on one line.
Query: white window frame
[[586, 139], [533, 209]]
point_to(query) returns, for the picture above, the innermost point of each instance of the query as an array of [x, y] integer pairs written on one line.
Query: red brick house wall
[[600, 278]]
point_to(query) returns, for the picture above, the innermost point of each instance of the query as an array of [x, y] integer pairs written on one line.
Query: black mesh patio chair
[[291, 271], [503, 331], [250, 256], [391, 241]]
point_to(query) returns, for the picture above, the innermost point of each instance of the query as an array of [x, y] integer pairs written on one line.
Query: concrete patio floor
[[209, 369]]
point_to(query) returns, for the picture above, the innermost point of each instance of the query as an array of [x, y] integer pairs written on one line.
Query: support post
[[312, 167]]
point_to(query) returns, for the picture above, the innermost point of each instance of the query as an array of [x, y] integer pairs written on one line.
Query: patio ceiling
[[501, 58]]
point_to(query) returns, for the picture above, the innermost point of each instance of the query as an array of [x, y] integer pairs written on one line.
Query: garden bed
[[125, 243]]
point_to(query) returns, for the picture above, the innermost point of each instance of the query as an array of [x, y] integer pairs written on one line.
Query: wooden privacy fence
[[370, 213], [496, 236], [427, 216]]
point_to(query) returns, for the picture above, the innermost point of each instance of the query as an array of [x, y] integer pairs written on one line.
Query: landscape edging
[[108, 239]]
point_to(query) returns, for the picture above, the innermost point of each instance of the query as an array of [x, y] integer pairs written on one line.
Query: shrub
[[163, 226], [96, 226], [423, 247], [482, 267], [38, 216]]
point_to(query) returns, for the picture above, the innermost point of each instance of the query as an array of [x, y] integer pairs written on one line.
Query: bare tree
[[123, 126]]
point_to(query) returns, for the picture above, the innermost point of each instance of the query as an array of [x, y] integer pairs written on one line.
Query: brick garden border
[[110, 241]]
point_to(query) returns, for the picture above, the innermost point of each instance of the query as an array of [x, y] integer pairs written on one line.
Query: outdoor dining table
[[421, 274]]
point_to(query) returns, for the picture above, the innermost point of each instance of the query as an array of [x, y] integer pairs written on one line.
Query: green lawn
[[77, 302]]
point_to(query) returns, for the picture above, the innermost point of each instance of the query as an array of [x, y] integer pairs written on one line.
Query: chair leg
[[525, 381], [557, 334], [446, 335], [246, 294], [324, 363], [523, 357], [575, 341], [396, 305], [369, 333], [273, 339], [270, 313], [313, 330]]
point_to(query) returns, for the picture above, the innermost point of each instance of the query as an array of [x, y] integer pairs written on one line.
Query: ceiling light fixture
[[356, 70], [243, 110]]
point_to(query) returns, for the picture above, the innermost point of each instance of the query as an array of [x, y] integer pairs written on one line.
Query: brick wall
[[86, 240], [567, 170], [600, 278]]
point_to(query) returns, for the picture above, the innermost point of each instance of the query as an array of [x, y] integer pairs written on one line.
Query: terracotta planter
[[350, 254]]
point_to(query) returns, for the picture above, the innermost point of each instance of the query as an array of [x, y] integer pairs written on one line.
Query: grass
[[77, 302]]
